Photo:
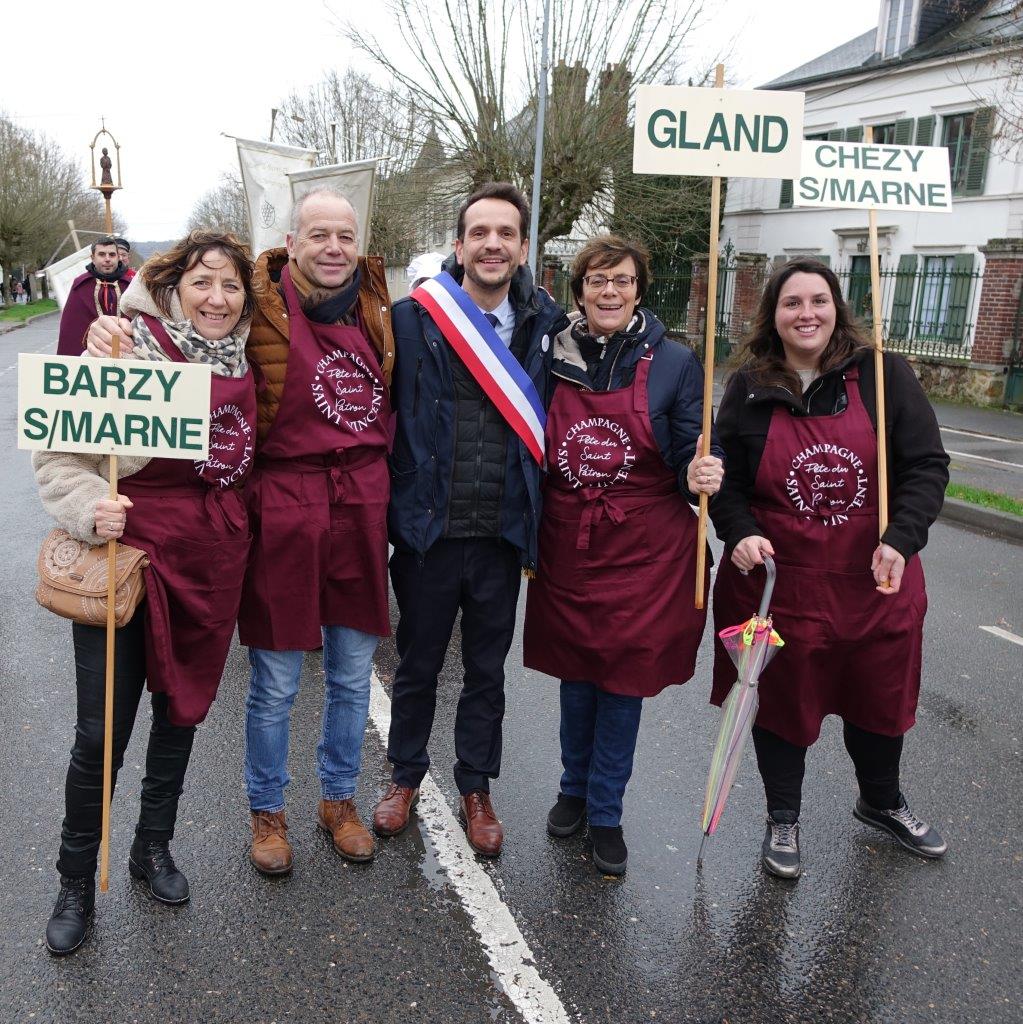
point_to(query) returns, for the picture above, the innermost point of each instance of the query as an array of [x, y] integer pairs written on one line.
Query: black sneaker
[[69, 923], [152, 863], [780, 852], [610, 853], [566, 816], [908, 829]]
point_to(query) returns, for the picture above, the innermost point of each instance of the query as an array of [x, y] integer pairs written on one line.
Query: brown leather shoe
[[482, 828], [271, 851], [340, 820], [392, 813]]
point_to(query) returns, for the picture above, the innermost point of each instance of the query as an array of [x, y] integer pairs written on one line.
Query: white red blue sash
[[487, 358]]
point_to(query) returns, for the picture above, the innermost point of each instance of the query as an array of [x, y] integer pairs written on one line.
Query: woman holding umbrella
[[798, 426], [190, 304], [611, 611]]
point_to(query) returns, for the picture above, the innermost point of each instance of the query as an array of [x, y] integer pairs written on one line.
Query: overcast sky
[[169, 78]]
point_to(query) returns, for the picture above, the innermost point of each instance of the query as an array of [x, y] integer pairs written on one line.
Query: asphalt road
[[869, 934]]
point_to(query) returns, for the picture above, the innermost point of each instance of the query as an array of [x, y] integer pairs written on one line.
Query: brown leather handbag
[[73, 579]]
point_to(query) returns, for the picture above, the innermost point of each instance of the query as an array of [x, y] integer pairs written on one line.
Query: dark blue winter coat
[[423, 397], [674, 385]]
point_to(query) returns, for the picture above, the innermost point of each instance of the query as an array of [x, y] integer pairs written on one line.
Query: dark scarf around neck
[[332, 306], [115, 275]]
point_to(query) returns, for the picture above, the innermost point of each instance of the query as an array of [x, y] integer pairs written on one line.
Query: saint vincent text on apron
[[318, 495], [612, 601], [849, 650], [194, 527]]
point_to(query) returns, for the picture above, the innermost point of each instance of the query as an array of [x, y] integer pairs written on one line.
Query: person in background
[[611, 611], [192, 304], [422, 268], [799, 430], [93, 294], [124, 255]]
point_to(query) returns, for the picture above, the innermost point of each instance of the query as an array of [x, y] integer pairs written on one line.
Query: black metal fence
[[927, 306]]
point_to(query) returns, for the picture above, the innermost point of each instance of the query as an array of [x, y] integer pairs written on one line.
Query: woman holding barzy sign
[[192, 304], [798, 425], [610, 612]]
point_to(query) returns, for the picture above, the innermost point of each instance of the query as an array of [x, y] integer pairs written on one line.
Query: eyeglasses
[[598, 282]]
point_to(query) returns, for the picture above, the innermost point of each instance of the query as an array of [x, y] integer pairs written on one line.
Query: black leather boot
[[69, 923], [152, 863]]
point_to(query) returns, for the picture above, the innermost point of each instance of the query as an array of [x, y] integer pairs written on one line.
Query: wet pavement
[[868, 934]]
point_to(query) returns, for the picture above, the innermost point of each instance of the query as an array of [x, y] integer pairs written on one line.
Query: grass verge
[[16, 313], [988, 499]]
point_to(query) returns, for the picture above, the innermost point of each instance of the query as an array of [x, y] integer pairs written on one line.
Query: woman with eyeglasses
[[610, 612]]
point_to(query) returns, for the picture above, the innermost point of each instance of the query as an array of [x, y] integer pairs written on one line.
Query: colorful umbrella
[[751, 646]]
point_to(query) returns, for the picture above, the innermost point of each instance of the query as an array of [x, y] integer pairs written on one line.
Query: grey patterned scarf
[[226, 358]]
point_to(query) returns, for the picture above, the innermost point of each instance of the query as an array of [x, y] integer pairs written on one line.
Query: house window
[[884, 134], [956, 134], [935, 294], [897, 27]]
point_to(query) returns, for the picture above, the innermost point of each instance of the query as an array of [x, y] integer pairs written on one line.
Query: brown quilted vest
[[267, 347]]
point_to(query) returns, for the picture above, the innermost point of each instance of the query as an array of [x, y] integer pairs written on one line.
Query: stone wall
[[957, 381]]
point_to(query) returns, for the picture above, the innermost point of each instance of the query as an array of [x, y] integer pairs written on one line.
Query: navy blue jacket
[[674, 389], [423, 397]]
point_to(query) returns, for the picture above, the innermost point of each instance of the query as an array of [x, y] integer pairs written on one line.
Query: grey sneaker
[[914, 834], [780, 852]]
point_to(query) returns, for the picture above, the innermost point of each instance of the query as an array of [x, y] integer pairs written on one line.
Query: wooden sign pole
[[875, 303], [108, 719], [708, 361]]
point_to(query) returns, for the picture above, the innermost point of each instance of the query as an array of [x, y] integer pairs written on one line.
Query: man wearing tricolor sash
[[470, 392]]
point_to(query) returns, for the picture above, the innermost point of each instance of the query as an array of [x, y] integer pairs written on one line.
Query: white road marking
[[506, 948], [14, 366], [984, 458], [1004, 634], [979, 435]]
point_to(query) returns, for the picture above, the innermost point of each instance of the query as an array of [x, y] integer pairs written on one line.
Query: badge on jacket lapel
[[545, 343]]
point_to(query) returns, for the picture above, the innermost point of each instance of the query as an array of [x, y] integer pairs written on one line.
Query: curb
[[990, 520], [7, 328]]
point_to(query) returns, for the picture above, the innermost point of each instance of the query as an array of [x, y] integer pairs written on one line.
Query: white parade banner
[[113, 407], [741, 133], [354, 181], [61, 274], [859, 175], [265, 168]]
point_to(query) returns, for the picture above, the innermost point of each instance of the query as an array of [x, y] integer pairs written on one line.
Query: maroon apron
[[849, 650], [194, 528], [612, 602], [318, 496]]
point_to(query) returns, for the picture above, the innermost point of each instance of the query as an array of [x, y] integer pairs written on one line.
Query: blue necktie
[[494, 321]]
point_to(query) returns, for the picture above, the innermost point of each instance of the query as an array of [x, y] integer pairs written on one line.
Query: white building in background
[[933, 72]]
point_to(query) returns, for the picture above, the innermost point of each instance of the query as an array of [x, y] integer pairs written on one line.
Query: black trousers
[[480, 577], [166, 758], [875, 757]]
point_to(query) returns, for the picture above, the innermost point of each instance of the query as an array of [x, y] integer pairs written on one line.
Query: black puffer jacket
[[917, 463]]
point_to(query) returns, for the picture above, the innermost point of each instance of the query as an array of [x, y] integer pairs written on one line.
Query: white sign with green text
[[113, 406], [740, 133], [858, 175]]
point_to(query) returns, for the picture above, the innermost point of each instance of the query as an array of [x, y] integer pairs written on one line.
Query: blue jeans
[[347, 662], [598, 741]]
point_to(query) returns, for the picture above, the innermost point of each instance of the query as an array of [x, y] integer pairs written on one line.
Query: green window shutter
[[826, 260], [902, 301], [959, 293], [925, 130], [980, 144], [836, 135], [786, 194], [854, 134], [904, 131]]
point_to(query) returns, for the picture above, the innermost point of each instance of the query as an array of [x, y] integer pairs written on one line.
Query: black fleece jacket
[[917, 463]]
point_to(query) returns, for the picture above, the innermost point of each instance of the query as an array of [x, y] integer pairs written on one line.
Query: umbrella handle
[[772, 573]]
